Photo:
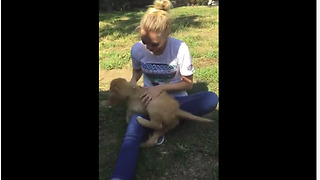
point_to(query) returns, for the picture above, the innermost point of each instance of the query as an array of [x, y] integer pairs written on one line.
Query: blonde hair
[[157, 18]]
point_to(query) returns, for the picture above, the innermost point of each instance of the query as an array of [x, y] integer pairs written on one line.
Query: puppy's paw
[[147, 144], [141, 119], [152, 141]]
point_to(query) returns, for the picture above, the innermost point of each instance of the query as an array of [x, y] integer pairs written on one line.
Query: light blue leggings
[[198, 104]]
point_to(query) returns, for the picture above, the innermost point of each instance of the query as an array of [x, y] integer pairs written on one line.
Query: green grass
[[116, 60], [197, 26], [190, 151], [210, 75]]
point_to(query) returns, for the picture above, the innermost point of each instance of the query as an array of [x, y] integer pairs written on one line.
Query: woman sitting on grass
[[166, 65]]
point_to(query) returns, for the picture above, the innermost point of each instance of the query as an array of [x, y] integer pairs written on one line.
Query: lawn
[[191, 150]]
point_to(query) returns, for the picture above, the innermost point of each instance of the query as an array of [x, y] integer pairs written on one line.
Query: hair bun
[[164, 5]]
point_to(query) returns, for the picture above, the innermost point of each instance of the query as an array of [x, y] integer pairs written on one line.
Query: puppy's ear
[[117, 84], [116, 89], [112, 100]]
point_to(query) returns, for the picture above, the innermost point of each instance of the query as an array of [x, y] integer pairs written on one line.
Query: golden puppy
[[164, 111]]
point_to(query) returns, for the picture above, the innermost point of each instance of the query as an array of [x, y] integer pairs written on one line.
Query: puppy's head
[[119, 90]]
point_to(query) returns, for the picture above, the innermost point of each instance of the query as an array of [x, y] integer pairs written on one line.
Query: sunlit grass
[[197, 26]]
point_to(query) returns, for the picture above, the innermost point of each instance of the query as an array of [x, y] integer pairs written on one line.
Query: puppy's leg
[[152, 141], [128, 115], [149, 124]]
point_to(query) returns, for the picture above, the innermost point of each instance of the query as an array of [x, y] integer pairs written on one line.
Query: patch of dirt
[[205, 62], [106, 76]]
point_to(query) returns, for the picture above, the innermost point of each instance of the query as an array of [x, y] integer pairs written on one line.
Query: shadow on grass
[[125, 23], [122, 23], [185, 21], [198, 87]]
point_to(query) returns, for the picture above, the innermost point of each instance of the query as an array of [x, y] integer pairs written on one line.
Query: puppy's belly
[[163, 114], [162, 108], [138, 109]]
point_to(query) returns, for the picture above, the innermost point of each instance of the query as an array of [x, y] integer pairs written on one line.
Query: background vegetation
[[120, 5]]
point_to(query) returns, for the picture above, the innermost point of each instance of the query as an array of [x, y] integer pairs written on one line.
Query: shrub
[[179, 3], [120, 5]]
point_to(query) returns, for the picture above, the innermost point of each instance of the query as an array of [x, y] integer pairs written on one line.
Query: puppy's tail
[[185, 115]]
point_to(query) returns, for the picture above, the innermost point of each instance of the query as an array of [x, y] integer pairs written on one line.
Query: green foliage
[[120, 5], [107, 5], [197, 2], [179, 3]]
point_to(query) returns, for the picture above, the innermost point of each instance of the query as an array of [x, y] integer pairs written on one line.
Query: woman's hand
[[150, 93], [154, 91]]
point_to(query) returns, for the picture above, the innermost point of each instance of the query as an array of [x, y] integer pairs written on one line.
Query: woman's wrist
[[161, 87], [132, 81]]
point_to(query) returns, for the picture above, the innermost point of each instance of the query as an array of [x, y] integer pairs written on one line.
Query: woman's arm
[[185, 84], [154, 91], [136, 75]]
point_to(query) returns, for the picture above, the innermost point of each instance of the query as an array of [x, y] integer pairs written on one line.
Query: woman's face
[[153, 42]]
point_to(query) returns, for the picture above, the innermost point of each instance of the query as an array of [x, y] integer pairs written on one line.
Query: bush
[[120, 5], [108, 5], [179, 3]]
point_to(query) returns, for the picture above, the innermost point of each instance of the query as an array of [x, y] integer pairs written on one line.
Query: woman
[[166, 65]]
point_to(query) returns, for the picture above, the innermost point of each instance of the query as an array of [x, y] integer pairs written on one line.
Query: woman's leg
[[199, 103], [125, 166]]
